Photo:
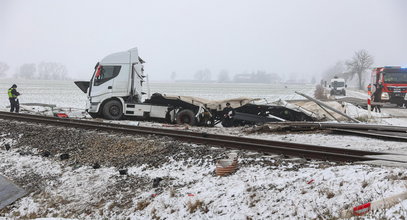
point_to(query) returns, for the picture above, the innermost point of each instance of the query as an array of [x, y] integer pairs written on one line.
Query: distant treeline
[[43, 70], [258, 76]]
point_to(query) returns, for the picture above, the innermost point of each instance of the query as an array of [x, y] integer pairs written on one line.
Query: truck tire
[[113, 110], [186, 116]]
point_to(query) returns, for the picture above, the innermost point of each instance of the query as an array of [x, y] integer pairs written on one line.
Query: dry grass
[[197, 205], [364, 184], [154, 214], [16, 213], [253, 200], [141, 205], [330, 195], [319, 93], [399, 176], [173, 192]]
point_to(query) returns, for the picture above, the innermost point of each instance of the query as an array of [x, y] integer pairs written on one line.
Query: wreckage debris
[[225, 167], [10, 192], [64, 156], [123, 171], [324, 106], [61, 115], [248, 111], [384, 203], [156, 182], [397, 133], [45, 154], [272, 127], [96, 166]]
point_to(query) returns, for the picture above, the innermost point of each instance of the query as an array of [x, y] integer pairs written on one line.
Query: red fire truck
[[389, 84]]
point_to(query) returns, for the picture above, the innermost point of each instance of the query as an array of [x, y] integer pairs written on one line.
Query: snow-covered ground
[[264, 187], [67, 94], [357, 93]]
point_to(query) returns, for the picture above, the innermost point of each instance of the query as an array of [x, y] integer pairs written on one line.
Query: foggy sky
[[183, 36]]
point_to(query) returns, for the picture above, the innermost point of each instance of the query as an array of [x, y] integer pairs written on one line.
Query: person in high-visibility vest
[[12, 96]]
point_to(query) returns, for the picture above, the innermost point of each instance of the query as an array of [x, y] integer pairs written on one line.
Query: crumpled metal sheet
[[9, 192]]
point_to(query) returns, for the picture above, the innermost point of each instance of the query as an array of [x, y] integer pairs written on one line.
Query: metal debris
[[9, 192]]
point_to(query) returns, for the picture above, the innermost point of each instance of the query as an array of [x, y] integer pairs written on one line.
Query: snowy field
[[67, 94], [264, 187], [60, 93]]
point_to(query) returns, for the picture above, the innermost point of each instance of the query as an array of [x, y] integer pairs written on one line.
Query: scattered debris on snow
[[188, 186]]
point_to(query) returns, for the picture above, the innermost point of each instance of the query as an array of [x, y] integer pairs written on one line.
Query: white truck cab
[[115, 89], [338, 86]]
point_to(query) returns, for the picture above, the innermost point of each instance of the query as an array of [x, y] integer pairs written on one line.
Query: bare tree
[[203, 75], [3, 69], [44, 71], [223, 76], [338, 69], [26, 71], [360, 62], [275, 78], [52, 70], [292, 78], [261, 77], [173, 76]]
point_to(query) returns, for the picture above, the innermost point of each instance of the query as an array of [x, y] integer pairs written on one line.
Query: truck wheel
[[113, 110], [186, 116]]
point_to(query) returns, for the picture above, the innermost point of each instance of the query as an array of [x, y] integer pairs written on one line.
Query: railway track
[[275, 147], [396, 133], [355, 126]]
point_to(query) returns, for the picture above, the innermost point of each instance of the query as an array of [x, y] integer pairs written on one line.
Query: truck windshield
[[105, 73], [338, 84], [395, 77]]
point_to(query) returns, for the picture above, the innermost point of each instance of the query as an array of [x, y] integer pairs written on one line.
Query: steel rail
[[169, 132], [344, 126], [373, 133], [316, 152]]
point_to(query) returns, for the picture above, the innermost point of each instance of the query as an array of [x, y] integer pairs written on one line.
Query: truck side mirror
[[329, 86], [346, 86]]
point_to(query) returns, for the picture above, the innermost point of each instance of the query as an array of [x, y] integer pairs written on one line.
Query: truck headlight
[[385, 96]]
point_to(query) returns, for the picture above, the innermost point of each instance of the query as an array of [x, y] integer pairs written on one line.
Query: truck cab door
[[102, 82]]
